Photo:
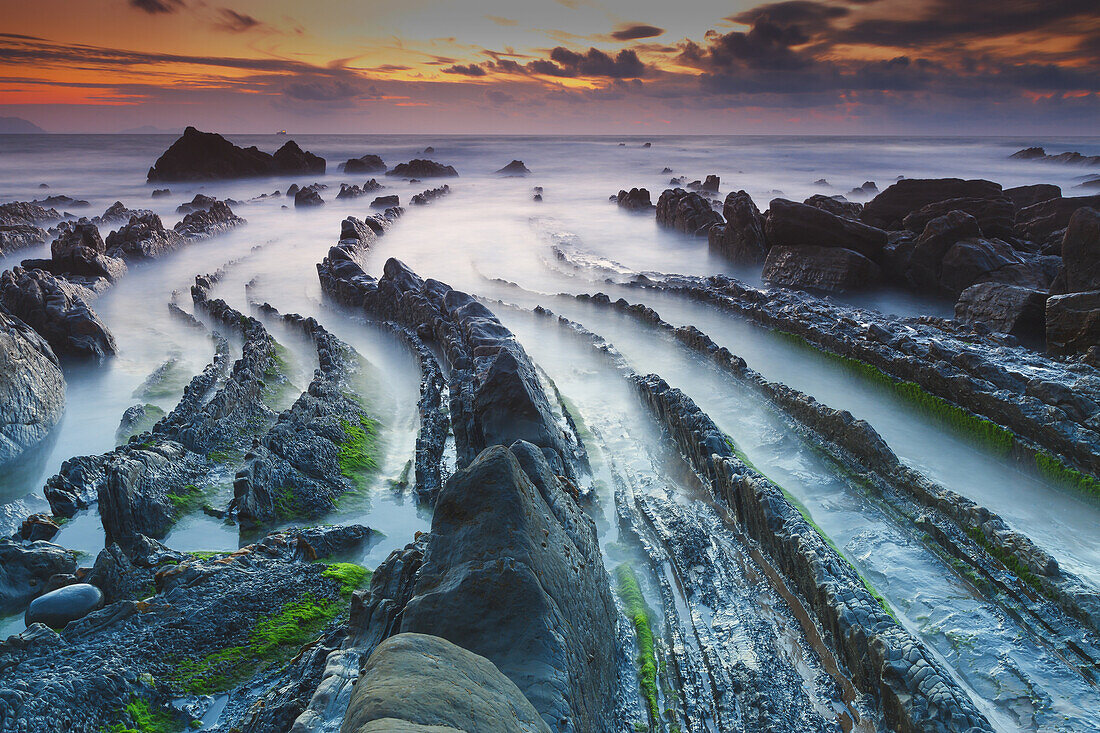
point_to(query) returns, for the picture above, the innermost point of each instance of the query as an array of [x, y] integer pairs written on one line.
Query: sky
[[971, 67]]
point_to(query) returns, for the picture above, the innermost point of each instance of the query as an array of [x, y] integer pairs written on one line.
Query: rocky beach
[[368, 433]]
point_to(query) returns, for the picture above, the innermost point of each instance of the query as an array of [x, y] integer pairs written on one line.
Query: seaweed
[[636, 610]]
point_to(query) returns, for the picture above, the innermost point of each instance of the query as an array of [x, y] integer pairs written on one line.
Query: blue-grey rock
[[59, 607]]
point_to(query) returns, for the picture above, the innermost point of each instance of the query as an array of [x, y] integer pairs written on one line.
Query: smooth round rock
[[59, 607]]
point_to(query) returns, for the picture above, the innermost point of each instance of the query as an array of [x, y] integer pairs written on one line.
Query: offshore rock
[[218, 219], [791, 224], [32, 388], [59, 607], [829, 269], [117, 213], [889, 208], [79, 250], [1073, 322], [515, 169], [512, 560], [384, 202], [741, 238], [686, 212], [307, 197], [417, 682], [364, 164], [207, 156], [26, 212], [422, 168], [201, 202], [1004, 308], [426, 197], [636, 199], [57, 310], [20, 236]]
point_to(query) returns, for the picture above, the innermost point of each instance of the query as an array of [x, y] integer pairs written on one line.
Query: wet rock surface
[[57, 310], [686, 212], [888, 209], [741, 238], [636, 199], [790, 224], [830, 269], [26, 568], [422, 168], [32, 387], [58, 607], [207, 156]]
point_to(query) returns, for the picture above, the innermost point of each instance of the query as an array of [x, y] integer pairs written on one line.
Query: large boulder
[[307, 197], [835, 205], [1004, 308], [68, 603], [25, 569], [1024, 196], [1040, 221], [636, 199], [422, 168], [364, 164], [994, 215], [20, 236], [32, 388], [512, 573], [741, 238], [80, 250], [144, 237], [200, 224], [1081, 251], [57, 310], [889, 208], [974, 260], [791, 224], [686, 211], [925, 257], [515, 169], [417, 682], [207, 156], [26, 212], [830, 269], [1073, 322]]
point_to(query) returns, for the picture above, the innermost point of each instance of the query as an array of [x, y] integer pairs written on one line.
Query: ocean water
[[488, 237]]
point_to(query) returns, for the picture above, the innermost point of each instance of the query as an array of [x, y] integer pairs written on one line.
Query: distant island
[[18, 126]]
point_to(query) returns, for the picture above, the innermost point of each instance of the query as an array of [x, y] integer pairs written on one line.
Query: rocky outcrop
[[57, 310], [1081, 251], [26, 212], [515, 169], [422, 168], [385, 202], [218, 219], [416, 682], [923, 265], [207, 156], [975, 260], [1073, 322], [686, 212], [636, 199], [1004, 308], [994, 215], [828, 269], [741, 238], [307, 197], [889, 208], [1024, 196], [364, 164], [352, 192], [144, 237], [20, 236], [1046, 219], [837, 205], [25, 571], [791, 224], [32, 388], [1067, 157], [69, 603], [201, 202], [80, 250], [430, 195], [117, 213]]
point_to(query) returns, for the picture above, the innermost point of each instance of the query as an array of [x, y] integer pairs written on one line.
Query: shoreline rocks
[[422, 168], [207, 156], [32, 387]]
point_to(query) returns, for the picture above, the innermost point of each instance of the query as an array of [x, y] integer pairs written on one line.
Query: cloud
[[506, 22], [496, 96], [154, 7], [468, 70], [234, 22], [624, 65], [635, 31]]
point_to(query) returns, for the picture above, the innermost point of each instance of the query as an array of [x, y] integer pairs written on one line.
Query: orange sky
[[584, 66]]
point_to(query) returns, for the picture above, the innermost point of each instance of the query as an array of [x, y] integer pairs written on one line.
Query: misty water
[[488, 235]]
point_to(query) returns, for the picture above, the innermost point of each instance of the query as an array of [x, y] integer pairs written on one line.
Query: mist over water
[[487, 238]]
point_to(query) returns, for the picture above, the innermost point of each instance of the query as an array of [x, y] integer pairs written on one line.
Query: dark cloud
[[507, 66], [635, 31], [468, 70], [231, 20], [498, 97], [157, 6], [624, 65], [792, 12]]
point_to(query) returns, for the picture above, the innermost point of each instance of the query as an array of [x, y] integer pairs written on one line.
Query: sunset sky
[[566, 66]]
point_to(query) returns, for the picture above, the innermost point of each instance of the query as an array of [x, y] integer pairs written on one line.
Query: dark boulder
[[867, 189], [349, 192], [384, 202], [59, 607], [973, 260], [62, 201], [741, 238], [994, 215], [1081, 251], [143, 237], [686, 212], [1029, 154], [829, 269], [218, 219], [925, 257], [207, 156], [1045, 219], [32, 387], [426, 197], [889, 208], [1024, 196], [57, 310], [418, 682], [636, 199], [26, 212], [80, 250], [307, 197], [711, 184], [1009, 309], [514, 169], [201, 202], [422, 168], [837, 205], [25, 569], [20, 236], [38, 527], [1073, 322], [791, 224], [117, 213], [160, 193], [364, 164]]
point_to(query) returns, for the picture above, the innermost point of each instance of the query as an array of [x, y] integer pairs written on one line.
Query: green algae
[[144, 719], [357, 453], [638, 612]]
